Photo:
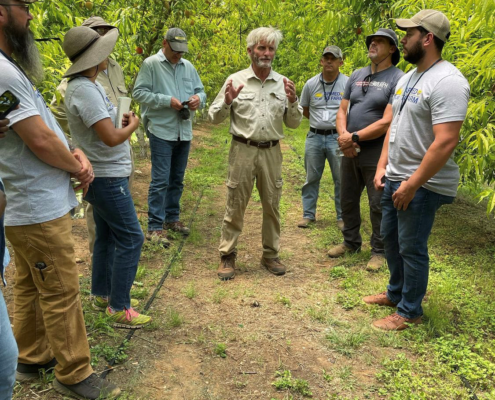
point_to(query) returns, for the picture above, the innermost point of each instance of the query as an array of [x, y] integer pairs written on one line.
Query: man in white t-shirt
[[416, 170], [36, 166], [320, 100]]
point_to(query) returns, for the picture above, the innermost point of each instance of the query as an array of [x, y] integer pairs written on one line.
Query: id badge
[[326, 115], [393, 132]]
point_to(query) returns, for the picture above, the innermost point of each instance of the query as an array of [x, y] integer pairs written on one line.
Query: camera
[[7, 103], [184, 113]]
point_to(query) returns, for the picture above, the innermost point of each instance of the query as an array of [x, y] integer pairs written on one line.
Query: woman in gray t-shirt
[[91, 117]]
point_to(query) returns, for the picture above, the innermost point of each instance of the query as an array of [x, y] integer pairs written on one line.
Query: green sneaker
[[128, 319], [101, 303]]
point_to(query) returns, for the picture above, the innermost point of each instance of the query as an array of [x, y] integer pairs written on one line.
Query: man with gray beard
[[36, 166]]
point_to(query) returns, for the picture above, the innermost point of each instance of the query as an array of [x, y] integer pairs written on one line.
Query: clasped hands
[[193, 105], [346, 145]]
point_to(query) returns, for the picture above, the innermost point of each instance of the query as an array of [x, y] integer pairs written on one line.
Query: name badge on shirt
[[393, 132], [326, 115]]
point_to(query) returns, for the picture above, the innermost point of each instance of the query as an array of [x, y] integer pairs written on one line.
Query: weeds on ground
[[220, 350], [285, 381]]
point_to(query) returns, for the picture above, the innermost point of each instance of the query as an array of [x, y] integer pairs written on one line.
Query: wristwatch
[[355, 137]]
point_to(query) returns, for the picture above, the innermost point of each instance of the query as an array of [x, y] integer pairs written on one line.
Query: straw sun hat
[[87, 49]]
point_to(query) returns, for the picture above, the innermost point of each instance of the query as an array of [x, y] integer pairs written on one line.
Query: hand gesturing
[[231, 92]]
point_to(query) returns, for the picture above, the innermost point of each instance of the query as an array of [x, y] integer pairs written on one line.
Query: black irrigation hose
[[468, 386], [129, 336]]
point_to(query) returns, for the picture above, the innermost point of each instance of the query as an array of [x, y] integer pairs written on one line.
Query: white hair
[[268, 35]]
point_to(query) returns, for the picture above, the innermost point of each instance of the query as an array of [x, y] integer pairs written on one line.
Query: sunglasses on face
[[25, 6]]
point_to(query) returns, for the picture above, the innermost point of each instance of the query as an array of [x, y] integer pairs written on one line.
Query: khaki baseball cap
[[431, 20], [333, 50]]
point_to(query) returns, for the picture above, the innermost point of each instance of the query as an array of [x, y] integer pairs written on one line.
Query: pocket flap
[[232, 184], [279, 96], [279, 183], [246, 96], [122, 89]]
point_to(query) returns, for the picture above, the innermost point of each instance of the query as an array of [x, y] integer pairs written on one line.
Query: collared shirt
[[260, 109], [113, 82], [157, 82]]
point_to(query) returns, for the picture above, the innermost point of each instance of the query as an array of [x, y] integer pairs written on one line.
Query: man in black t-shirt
[[362, 121]]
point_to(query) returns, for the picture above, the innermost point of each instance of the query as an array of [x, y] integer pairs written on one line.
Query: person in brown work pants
[[259, 101]]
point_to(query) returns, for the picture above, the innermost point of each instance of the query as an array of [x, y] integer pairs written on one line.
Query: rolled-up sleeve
[[219, 110], [293, 115], [143, 93]]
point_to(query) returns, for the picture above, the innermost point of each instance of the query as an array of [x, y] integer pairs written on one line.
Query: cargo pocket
[[244, 104], [122, 91], [277, 193], [231, 195], [277, 105], [45, 275]]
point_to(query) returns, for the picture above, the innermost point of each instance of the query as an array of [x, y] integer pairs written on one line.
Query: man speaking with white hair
[[259, 101]]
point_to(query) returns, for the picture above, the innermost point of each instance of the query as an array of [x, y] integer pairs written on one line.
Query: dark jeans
[[354, 178], [118, 243], [405, 234], [168, 166]]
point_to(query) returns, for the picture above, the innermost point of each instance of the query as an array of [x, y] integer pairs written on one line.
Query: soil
[[262, 321]]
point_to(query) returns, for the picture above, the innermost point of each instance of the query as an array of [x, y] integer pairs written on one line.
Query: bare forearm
[[54, 153], [373, 131], [341, 123], [383, 161]]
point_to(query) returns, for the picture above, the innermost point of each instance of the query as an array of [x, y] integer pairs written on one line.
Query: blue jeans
[[318, 149], [8, 353], [405, 236], [168, 166], [118, 242]]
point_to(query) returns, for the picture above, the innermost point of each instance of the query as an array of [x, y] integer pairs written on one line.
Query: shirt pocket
[[188, 86], [244, 104], [276, 105]]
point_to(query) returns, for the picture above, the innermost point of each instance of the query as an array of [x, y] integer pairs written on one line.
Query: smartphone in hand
[[8, 102]]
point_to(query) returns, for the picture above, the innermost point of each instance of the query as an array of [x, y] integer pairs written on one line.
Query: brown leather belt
[[261, 145]]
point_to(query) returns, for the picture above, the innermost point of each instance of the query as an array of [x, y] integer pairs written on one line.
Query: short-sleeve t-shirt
[[36, 192], [86, 104], [323, 100], [367, 108], [440, 96]]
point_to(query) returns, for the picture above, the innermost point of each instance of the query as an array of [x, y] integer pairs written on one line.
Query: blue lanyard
[[404, 98], [323, 83]]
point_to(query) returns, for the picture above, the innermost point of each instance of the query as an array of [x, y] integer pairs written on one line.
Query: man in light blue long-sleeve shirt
[[170, 91]]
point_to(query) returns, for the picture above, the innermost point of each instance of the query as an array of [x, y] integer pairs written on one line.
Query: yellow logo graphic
[[318, 95], [399, 91], [420, 91]]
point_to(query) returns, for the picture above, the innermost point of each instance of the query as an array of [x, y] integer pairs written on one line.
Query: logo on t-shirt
[[333, 96], [414, 94], [377, 85]]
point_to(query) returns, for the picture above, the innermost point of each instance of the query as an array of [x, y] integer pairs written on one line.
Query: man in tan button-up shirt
[[259, 101]]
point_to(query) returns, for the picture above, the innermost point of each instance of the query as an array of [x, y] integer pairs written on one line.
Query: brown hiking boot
[[376, 262], [226, 269], [395, 322], [178, 227], [339, 251], [380, 299], [273, 265], [305, 222], [158, 237]]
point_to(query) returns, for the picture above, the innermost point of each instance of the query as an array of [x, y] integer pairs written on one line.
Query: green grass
[[285, 381]]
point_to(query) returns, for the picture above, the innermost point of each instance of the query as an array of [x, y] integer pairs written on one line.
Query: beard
[[415, 54], [261, 63], [21, 40]]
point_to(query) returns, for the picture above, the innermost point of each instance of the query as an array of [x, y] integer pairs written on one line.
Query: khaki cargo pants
[[248, 164], [48, 317]]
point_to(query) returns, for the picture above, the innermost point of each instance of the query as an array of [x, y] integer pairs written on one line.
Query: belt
[[261, 145], [324, 131]]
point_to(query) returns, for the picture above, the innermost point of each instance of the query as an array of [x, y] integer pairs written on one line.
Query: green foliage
[[220, 350], [285, 381], [108, 352]]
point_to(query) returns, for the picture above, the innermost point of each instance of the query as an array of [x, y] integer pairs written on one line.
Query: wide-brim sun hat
[[392, 36], [87, 49], [97, 22]]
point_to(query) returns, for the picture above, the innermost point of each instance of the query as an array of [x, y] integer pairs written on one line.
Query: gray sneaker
[[31, 372], [92, 388]]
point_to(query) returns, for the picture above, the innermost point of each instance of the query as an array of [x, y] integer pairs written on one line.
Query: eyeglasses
[[366, 83], [25, 6]]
